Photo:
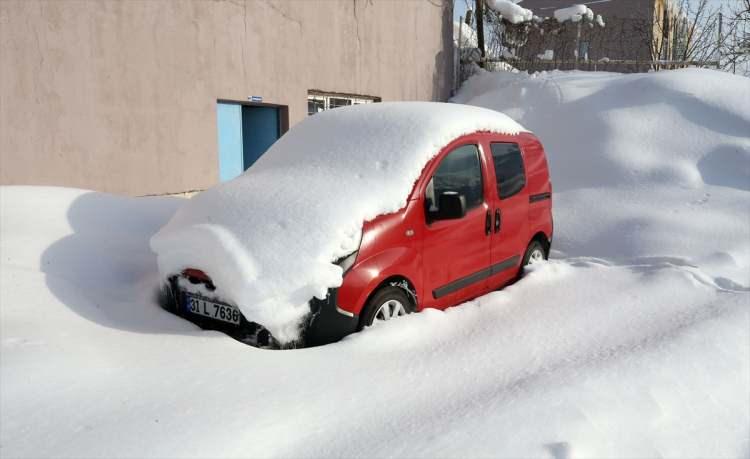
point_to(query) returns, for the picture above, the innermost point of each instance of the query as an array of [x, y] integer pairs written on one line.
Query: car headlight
[[347, 261]]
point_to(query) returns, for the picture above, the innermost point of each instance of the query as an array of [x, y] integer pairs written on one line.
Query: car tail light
[[196, 276]]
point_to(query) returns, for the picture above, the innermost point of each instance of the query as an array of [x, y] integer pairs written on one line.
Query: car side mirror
[[451, 205]]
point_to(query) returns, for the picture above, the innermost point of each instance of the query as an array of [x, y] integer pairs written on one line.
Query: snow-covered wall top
[[574, 13], [510, 11], [268, 238]]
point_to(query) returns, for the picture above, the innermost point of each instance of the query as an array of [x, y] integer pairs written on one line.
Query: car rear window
[[509, 169]]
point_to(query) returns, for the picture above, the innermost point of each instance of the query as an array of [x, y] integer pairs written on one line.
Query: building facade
[[169, 96]]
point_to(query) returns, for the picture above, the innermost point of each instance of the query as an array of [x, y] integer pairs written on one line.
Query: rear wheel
[[535, 253], [386, 304]]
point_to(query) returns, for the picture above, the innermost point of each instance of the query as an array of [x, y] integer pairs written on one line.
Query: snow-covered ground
[[645, 167], [633, 342]]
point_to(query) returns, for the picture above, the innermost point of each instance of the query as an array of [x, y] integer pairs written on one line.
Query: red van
[[480, 212]]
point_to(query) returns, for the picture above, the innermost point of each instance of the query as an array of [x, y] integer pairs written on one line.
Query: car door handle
[[498, 220], [487, 224]]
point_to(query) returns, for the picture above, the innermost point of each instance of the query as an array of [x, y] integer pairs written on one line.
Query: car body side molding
[[478, 276]]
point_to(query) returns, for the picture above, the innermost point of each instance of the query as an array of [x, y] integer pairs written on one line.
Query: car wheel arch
[[542, 238], [400, 281]]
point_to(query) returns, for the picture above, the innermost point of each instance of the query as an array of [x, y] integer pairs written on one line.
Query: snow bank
[[630, 343], [574, 13], [510, 11], [644, 166], [582, 358], [268, 238]]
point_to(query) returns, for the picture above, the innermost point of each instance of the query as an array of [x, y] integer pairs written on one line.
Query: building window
[[318, 101], [315, 105]]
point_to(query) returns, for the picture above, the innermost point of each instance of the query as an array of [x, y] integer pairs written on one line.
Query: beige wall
[[120, 96]]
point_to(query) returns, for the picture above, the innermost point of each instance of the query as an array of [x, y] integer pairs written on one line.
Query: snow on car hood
[[268, 238]]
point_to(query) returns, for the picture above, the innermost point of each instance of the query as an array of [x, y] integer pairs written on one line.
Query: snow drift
[[644, 166], [582, 358], [268, 239], [629, 343]]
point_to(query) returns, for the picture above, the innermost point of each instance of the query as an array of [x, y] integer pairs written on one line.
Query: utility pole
[[457, 69], [480, 29]]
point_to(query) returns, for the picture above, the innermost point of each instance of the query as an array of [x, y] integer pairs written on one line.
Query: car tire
[[387, 303], [535, 253]]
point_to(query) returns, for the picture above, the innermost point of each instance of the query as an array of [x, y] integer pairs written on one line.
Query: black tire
[[534, 246], [382, 296]]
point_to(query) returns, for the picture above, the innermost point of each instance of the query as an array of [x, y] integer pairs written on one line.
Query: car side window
[[460, 171], [509, 169]]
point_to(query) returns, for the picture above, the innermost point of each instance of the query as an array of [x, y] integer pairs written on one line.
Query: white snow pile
[[268, 239], [510, 11], [633, 341], [583, 358], [574, 13], [644, 166]]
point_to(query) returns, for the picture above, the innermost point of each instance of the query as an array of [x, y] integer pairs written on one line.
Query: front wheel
[[386, 304]]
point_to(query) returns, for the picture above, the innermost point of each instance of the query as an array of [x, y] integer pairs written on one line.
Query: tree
[[698, 32], [736, 50]]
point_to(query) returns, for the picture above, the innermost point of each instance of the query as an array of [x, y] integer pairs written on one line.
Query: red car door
[[455, 252], [510, 209]]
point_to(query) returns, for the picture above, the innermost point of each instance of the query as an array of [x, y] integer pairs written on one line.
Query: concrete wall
[[120, 96]]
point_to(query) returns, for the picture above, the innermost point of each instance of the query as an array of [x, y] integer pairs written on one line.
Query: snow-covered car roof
[[267, 238]]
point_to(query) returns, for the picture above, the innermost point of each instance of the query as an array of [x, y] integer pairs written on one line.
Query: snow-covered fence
[[541, 63], [511, 27], [681, 34]]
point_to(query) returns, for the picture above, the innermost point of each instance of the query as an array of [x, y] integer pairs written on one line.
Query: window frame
[[436, 166], [325, 97]]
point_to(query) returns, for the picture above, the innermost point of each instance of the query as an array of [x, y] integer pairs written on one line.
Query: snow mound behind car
[[645, 167], [268, 238]]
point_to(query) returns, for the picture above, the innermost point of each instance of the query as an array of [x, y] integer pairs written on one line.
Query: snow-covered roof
[[268, 237]]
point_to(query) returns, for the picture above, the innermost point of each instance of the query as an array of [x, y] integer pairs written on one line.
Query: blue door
[[260, 129], [229, 124], [245, 133]]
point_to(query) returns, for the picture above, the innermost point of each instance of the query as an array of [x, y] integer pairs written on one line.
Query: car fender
[[368, 274]]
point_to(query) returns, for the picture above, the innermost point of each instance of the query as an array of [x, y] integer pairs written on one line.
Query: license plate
[[206, 308]]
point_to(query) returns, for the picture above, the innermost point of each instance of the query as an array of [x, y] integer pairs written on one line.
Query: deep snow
[[631, 345], [645, 167], [306, 200]]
